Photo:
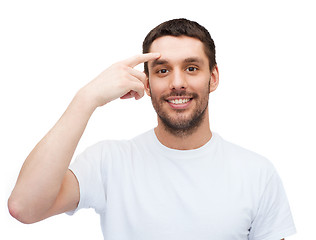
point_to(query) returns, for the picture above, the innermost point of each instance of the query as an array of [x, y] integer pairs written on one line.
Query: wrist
[[84, 102]]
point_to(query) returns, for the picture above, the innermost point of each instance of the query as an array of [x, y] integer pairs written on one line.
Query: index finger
[[141, 58]]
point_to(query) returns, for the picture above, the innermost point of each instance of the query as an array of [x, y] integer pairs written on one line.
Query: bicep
[[68, 196]]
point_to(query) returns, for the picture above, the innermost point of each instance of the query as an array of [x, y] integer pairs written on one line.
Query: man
[[177, 181]]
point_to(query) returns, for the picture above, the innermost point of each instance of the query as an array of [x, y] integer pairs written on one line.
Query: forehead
[[178, 48]]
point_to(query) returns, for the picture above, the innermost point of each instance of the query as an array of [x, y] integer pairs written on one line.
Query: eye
[[162, 71], [191, 69]]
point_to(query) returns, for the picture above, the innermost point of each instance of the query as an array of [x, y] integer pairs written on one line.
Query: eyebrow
[[158, 62], [194, 60], [187, 60]]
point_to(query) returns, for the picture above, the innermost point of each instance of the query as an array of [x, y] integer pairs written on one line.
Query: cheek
[[157, 86], [200, 85]]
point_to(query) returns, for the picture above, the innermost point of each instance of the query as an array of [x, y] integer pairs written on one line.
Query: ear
[[147, 86], [214, 79]]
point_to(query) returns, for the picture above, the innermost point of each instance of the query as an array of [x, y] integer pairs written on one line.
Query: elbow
[[19, 212]]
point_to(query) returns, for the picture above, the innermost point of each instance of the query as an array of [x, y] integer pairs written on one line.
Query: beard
[[181, 123]]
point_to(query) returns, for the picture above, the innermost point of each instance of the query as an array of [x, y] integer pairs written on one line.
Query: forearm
[[42, 174], [43, 171]]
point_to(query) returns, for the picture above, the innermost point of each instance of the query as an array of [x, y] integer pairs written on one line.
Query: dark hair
[[181, 27]]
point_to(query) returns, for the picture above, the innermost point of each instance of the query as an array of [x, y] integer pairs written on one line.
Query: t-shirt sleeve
[[274, 219], [89, 170]]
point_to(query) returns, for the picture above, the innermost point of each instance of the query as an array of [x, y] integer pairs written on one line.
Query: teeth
[[179, 101]]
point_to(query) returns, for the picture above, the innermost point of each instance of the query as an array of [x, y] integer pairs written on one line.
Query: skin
[[45, 187], [177, 66], [183, 68]]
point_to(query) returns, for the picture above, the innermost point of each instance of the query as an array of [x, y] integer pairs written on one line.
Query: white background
[[265, 101]]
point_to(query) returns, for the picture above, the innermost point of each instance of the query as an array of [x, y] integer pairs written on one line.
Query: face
[[180, 82]]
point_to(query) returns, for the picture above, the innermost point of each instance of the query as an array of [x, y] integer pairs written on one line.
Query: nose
[[178, 80]]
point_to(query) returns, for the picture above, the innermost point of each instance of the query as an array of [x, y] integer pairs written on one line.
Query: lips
[[179, 102]]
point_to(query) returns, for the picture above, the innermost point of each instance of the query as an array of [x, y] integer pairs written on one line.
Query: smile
[[179, 101]]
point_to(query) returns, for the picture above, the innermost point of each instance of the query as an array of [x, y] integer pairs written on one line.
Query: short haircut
[[181, 27]]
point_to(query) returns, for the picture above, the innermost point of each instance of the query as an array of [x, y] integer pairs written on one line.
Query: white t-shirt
[[146, 191]]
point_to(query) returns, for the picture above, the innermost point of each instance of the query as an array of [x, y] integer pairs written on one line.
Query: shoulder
[[244, 159], [107, 149]]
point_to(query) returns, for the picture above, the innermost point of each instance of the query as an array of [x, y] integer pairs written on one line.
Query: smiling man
[[179, 86], [182, 68], [177, 181]]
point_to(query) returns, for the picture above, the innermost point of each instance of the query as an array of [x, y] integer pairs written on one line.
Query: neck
[[187, 140]]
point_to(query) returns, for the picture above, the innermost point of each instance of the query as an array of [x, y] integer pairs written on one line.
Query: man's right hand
[[120, 80], [45, 186]]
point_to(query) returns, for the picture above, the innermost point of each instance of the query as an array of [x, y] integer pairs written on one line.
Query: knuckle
[[143, 77], [138, 57], [119, 65], [141, 86]]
